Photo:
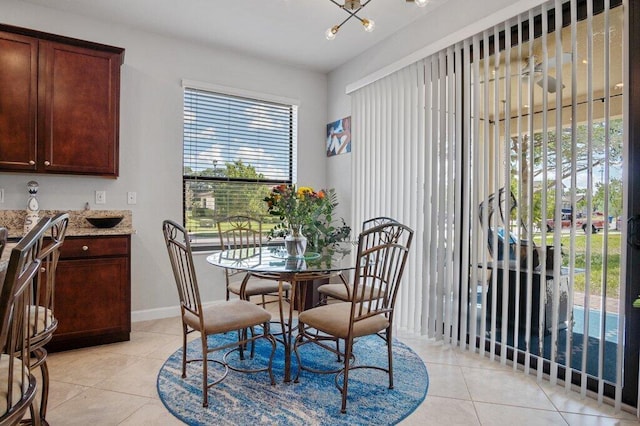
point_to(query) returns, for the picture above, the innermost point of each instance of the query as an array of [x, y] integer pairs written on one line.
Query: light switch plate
[[101, 197], [132, 198], [1, 195]]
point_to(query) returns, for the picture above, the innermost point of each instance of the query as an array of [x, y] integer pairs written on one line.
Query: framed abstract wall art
[[339, 137]]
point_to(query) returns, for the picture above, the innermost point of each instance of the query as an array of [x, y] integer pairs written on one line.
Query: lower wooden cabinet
[[93, 292]]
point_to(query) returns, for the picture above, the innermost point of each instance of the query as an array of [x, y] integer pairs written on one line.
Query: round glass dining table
[[273, 262]]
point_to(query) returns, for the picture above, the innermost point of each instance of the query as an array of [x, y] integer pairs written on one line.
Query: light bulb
[[369, 25], [331, 32], [421, 3]]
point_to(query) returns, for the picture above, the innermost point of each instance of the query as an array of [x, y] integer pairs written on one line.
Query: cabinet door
[[92, 299], [18, 99], [78, 109]]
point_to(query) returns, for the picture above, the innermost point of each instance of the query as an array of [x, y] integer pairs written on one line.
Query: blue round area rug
[[249, 398]]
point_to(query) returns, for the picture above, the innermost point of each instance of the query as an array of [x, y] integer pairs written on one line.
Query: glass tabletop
[[274, 259]]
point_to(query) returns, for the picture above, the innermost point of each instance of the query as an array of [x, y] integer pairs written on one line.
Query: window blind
[[235, 150]]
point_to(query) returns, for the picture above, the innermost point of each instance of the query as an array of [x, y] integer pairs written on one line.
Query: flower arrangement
[[304, 210]]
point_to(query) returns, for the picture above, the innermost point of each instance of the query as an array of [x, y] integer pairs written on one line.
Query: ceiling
[[602, 83], [287, 31]]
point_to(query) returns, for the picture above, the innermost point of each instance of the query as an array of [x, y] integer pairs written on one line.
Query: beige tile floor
[[116, 385]]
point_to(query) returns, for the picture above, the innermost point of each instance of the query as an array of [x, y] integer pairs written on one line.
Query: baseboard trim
[[154, 314], [159, 313]]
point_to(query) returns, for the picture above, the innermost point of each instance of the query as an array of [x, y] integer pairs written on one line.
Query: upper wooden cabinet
[[59, 104]]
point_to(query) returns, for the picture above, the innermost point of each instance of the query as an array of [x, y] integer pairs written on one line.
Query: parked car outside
[[598, 222]]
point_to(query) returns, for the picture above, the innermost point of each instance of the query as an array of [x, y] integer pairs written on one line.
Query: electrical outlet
[[132, 198], [1, 195], [101, 197]]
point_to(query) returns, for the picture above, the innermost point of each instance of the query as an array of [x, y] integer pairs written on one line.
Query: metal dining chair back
[[376, 221], [219, 318], [342, 291], [243, 235], [380, 263]]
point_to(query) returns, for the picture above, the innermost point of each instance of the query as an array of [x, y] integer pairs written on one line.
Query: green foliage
[[230, 198], [615, 197], [307, 211], [591, 147], [597, 258]]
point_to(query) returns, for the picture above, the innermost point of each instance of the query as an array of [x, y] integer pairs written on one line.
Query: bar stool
[[42, 320], [17, 383]]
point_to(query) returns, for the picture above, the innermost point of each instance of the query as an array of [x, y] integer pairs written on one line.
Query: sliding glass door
[[632, 192], [511, 149], [549, 173]]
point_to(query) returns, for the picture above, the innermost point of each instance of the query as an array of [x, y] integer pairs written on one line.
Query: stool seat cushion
[[18, 389]]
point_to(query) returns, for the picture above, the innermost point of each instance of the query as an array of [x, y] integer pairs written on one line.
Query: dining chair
[[244, 235], [17, 383], [219, 318], [42, 321], [380, 261], [342, 291]]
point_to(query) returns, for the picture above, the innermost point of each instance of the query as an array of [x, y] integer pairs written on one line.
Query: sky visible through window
[[220, 129]]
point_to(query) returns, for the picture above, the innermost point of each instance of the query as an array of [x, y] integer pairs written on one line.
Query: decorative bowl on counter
[[105, 222]]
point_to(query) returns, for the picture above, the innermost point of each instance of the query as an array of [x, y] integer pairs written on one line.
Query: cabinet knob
[[32, 163], [43, 270], [46, 163], [85, 248]]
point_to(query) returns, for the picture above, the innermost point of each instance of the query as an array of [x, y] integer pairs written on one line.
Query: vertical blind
[[503, 151]]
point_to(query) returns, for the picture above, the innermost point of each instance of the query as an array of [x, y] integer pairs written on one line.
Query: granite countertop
[[13, 220], [4, 260]]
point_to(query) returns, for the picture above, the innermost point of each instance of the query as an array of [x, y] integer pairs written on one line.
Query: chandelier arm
[[352, 14]]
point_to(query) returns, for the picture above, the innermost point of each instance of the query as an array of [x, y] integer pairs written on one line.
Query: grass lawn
[[206, 227], [598, 259]]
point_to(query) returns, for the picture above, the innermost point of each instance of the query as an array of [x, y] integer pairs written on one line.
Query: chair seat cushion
[[334, 320], [41, 320], [18, 387], [258, 286], [222, 317], [339, 291]]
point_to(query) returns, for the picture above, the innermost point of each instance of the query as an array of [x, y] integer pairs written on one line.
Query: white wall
[[451, 22], [151, 138]]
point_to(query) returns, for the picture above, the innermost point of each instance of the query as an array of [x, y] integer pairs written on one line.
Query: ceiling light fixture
[[352, 8]]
